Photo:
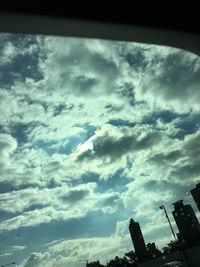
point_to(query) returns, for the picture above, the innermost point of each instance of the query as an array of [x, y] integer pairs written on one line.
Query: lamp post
[[180, 249], [162, 207]]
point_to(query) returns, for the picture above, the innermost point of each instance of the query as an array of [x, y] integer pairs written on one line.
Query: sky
[[92, 133]]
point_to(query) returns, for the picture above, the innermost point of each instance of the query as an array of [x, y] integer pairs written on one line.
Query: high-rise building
[[196, 195], [138, 240], [187, 222]]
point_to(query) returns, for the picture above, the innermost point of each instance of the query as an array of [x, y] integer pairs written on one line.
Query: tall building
[[138, 240], [187, 222], [196, 195]]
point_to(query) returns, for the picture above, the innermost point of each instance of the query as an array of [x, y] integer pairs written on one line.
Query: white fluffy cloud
[[62, 203], [173, 82], [87, 107], [7, 145], [77, 251]]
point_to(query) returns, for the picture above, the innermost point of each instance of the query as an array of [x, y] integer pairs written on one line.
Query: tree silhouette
[[121, 262]]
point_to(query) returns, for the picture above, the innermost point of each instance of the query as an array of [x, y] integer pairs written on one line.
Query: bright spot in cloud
[[79, 191], [88, 145]]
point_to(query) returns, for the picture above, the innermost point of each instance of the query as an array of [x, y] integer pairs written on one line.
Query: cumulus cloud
[[19, 59], [34, 206], [76, 250], [102, 248], [7, 145], [91, 126], [113, 144], [60, 203], [174, 82], [36, 260], [181, 160]]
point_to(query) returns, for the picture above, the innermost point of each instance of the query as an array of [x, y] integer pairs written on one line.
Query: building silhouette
[[187, 223], [188, 236], [138, 240], [94, 264], [152, 250], [196, 195]]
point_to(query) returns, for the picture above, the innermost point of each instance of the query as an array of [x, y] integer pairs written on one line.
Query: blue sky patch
[[92, 133]]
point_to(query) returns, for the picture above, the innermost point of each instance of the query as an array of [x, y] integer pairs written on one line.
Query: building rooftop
[[178, 203]]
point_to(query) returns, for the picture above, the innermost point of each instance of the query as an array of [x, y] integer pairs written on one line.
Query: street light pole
[[180, 248], [162, 207]]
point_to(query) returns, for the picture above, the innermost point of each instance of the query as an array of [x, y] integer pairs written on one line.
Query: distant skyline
[[92, 133]]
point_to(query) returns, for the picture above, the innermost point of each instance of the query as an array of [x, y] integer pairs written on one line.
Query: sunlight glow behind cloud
[[92, 133]]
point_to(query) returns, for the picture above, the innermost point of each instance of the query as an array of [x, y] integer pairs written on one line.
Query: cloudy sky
[[92, 133]]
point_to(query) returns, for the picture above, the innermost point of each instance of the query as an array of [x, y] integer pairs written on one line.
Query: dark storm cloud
[[108, 146]]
